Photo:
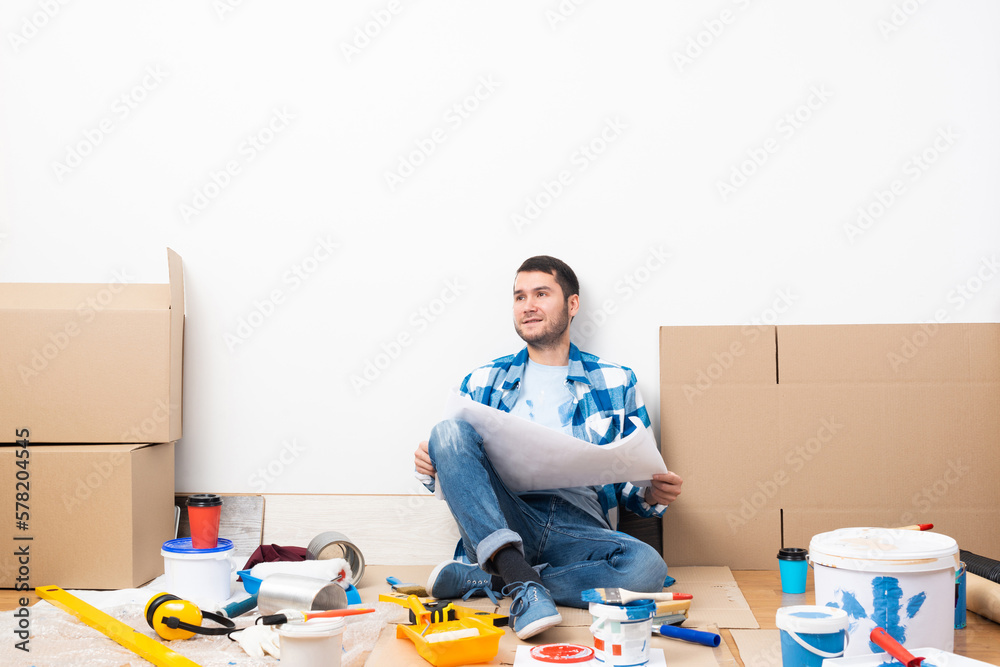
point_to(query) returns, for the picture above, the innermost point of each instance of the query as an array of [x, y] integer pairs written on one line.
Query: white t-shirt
[[545, 399]]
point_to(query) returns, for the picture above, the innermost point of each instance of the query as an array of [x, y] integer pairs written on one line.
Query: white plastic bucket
[[622, 632], [314, 643], [199, 575], [900, 580], [810, 634]]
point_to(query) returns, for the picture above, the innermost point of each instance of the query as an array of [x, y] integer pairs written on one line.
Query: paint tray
[[465, 651], [933, 657]]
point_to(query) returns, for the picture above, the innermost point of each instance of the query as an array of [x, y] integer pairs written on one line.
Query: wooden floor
[[762, 590]]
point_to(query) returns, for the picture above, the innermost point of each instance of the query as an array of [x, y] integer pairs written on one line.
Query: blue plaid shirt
[[606, 396]]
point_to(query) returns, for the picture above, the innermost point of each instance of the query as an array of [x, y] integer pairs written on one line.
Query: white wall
[[888, 81]]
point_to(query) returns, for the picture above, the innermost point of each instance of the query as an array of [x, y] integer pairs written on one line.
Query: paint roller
[[982, 596]]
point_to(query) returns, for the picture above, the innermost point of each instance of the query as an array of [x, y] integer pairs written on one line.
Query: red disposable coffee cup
[[203, 513]]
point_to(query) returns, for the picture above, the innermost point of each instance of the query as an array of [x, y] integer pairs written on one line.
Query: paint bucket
[[810, 634], [622, 632], [313, 643], [900, 580], [199, 575]]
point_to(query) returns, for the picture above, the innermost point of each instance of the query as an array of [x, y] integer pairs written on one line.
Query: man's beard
[[548, 335]]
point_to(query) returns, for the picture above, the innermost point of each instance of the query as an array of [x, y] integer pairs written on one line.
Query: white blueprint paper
[[528, 456]]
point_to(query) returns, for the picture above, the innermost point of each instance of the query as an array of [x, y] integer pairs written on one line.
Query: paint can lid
[[182, 547], [637, 610], [884, 550], [562, 654], [811, 619]]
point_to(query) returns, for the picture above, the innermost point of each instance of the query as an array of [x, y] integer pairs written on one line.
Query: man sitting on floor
[[544, 547]]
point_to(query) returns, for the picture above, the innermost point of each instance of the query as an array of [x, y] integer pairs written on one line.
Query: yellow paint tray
[[468, 650]]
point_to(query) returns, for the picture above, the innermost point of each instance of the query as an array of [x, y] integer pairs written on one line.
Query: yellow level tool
[[138, 643]]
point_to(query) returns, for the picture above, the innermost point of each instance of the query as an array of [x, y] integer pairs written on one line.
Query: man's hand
[[422, 460], [664, 489]]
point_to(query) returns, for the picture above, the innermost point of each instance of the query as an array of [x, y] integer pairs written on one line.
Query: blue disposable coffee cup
[[794, 568]]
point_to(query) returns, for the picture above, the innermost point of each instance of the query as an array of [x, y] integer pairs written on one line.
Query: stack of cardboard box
[[829, 426], [90, 410]]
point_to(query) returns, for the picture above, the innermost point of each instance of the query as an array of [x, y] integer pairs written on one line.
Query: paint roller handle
[[894, 648], [240, 607], [688, 635]]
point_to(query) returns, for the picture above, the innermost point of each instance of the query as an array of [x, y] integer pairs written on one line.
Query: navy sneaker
[[532, 610], [454, 579]]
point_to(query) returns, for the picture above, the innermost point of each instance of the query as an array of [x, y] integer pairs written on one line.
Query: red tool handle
[[894, 648]]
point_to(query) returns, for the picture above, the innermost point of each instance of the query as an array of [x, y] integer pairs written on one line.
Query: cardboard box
[[97, 515], [853, 425], [92, 363]]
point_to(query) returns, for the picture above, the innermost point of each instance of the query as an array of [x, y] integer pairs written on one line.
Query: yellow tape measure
[[138, 643]]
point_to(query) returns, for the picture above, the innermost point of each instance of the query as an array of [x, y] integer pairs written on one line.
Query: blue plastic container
[[960, 602], [810, 634]]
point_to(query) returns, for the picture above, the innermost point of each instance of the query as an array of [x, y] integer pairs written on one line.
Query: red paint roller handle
[[894, 648]]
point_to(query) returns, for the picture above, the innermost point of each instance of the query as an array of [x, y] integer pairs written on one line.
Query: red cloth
[[270, 553]]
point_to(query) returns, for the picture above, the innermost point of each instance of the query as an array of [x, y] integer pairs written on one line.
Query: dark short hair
[[560, 269]]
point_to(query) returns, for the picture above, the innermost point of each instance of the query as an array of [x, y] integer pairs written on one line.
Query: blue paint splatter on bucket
[[888, 603], [914, 605]]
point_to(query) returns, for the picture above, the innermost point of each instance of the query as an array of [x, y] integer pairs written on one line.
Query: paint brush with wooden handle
[[622, 596], [917, 526], [406, 589]]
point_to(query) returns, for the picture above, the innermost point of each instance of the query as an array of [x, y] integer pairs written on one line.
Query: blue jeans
[[571, 549]]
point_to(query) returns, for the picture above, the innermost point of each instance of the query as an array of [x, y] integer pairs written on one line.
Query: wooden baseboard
[[388, 529]]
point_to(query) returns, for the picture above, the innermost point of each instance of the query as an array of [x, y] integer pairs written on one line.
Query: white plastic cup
[[199, 575], [313, 643]]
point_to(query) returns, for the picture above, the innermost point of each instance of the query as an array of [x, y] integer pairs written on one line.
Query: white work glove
[[257, 640]]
